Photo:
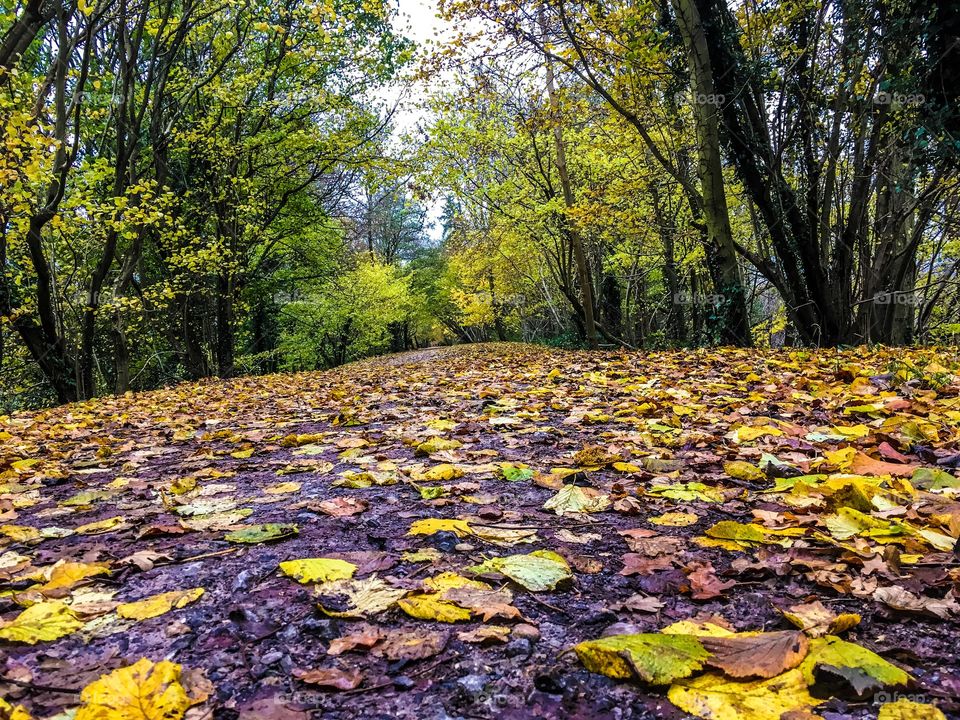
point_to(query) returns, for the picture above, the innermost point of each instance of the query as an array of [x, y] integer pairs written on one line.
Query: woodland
[[194, 189], [575, 360]]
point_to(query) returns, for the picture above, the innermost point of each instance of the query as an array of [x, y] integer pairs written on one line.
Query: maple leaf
[[142, 691]]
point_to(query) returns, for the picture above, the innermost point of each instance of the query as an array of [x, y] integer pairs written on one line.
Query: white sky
[[418, 21]]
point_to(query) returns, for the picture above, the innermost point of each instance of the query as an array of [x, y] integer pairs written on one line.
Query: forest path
[[415, 469]]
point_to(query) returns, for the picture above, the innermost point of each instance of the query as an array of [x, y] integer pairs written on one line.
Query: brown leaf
[[364, 637], [340, 506], [762, 655], [486, 603], [900, 598], [367, 561], [642, 603], [637, 564], [160, 530], [704, 583], [406, 645], [654, 546], [332, 678], [865, 465], [485, 635], [144, 559], [887, 451]]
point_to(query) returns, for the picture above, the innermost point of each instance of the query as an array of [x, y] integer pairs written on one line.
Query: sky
[[418, 21]]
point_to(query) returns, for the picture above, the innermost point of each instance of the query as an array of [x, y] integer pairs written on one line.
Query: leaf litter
[[499, 531]]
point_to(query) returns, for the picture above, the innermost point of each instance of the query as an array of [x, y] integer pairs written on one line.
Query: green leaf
[[653, 657], [538, 571], [262, 533], [862, 668]]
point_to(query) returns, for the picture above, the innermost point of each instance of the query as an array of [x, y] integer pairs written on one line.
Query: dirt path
[[149, 489]]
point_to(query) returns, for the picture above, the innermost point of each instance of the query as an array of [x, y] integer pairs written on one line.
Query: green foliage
[[353, 315]]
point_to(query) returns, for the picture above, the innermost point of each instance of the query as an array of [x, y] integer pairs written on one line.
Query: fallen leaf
[[261, 533], [357, 598], [576, 499], [485, 635], [156, 605], [321, 570], [653, 657], [756, 654], [538, 571], [862, 668], [332, 678], [142, 691], [41, 622], [411, 645], [719, 698], [904, 709], [817, 620]]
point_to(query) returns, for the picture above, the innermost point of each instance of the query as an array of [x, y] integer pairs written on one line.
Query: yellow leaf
[[904, 709], [156, 605], [841, 459], [431, 606], [436, 444], [862, 668], [742, 470], [362, 597], [460, 528], [41, 622], [746, 433], [441, 473], [538, 571], [242, 454], [575, 499], [184, 484], [690, 627], [675, 519], [13, 712], [20, 533], [318, 569], [101, 526], [282, 488], [65, 574], [719, 698], [142, 691]]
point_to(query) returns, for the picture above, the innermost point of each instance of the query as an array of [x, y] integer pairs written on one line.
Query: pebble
[[490, 512], [524, 631], [402, 682], [473, 683], [520, 647], [244, 581], [271, 657]]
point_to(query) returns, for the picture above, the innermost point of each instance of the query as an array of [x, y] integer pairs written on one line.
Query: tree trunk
[[225, 340], [735, 325], [576, 241], [22, 32]]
